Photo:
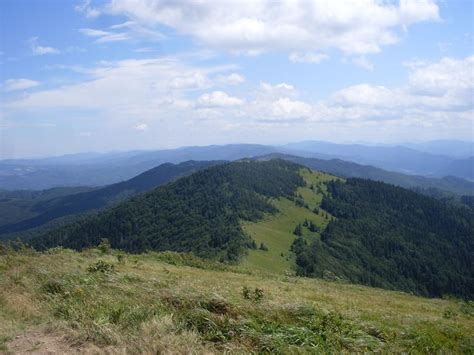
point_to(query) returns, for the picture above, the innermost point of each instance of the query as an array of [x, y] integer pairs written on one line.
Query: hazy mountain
[[401, 159], [94, 169], [451, 148], [30, 211], [343, 168], [460, 167], [104, 169]]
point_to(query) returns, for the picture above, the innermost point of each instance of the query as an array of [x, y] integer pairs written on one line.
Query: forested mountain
[[362, 231], [23, 210], [343, 168], [199, 213], [389, 237]]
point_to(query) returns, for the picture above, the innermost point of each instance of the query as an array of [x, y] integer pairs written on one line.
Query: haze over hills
[[93, 169], [393, 158]]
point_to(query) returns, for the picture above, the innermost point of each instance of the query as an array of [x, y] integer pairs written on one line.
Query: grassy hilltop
[[67, 301]]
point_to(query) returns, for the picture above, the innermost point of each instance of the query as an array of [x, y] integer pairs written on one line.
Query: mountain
[[198, 213], [463, 168], [19, 205], [450, 148], [99, 169], [32, 211], [343, 168], [396, 158], [94, 169], [359, 230]]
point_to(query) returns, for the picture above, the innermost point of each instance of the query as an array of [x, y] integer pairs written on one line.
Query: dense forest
[[389, 237], [200, 213]]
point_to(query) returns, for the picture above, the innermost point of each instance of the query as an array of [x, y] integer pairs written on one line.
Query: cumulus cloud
[[287, 109], [177, 94], [19, 84], [37, 49], [354, 27], [218, 99], [445, 85]]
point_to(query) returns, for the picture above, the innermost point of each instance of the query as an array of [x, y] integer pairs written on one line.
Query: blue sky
[[123, 74]]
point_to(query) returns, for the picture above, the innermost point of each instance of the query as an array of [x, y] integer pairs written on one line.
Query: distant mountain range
[[392, 158], [437, 159]]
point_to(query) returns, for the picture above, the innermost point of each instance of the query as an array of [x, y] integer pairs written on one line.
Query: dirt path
[[40, 342]]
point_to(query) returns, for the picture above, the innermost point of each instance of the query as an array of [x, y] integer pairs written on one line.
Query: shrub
[[101, 266], [257, 294], [104, 246], [263, 247]]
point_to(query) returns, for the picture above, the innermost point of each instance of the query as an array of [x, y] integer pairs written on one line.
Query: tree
[[298, 230]]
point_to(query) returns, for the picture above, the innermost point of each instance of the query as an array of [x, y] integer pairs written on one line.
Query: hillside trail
[[43, 343]]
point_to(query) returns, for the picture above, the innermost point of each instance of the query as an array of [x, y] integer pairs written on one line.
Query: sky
[[109, 75]]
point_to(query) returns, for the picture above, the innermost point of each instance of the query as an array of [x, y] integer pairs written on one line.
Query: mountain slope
[[47, 210], [199, 213], [389, 237]]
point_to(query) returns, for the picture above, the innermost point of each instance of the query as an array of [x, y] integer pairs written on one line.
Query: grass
[[153, 303], [276, 231]]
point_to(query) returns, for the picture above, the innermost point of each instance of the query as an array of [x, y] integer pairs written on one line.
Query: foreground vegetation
[[103, 300]]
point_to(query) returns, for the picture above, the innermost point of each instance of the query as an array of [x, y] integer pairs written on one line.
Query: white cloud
[[19, 84], [141, 127], [197, 80], [277, 87], [218, 99], [354, 27], [86, 8], [177, 95], [448, 75], [231, 79], [445, 85], [104, 36], [122, 32], [290, 109], [308, 57], [36, 49]]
